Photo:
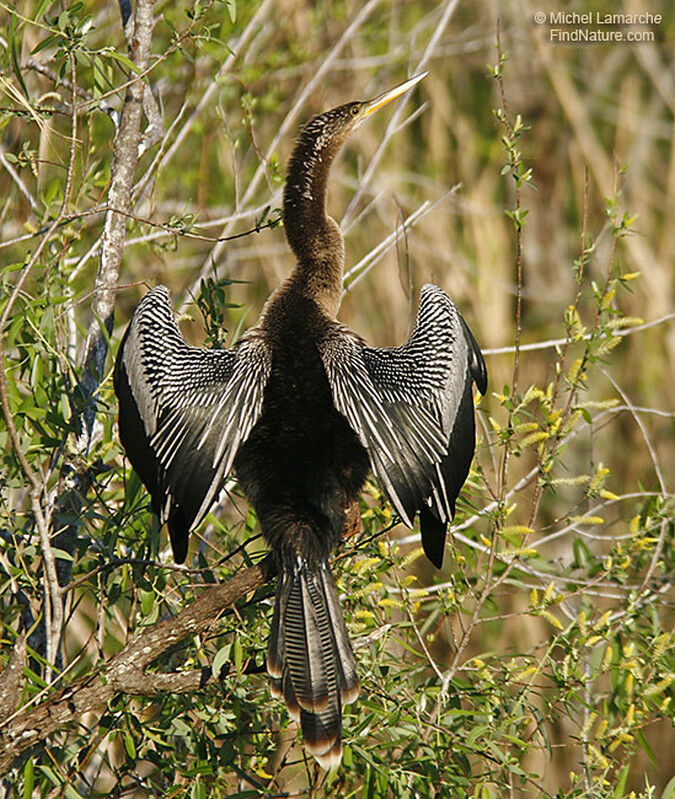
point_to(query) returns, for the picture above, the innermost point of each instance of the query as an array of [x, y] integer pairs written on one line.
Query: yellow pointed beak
[[381, 100]]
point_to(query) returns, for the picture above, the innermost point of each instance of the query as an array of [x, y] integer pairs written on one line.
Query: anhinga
[[301, 408]]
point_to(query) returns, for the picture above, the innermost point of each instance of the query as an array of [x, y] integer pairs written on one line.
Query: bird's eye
[[354, 110]]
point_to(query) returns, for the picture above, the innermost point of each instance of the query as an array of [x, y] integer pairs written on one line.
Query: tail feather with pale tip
[[310, 658]]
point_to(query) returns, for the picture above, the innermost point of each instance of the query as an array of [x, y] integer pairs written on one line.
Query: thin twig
[[519, 260], [19, 182], [557, 342]]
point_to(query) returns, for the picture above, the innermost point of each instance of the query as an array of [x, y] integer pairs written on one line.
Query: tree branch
[[125, 671], [125, 158], [10, 683], [123, 169]]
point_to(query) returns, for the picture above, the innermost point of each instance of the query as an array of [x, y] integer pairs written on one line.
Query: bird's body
[[302, 460], [301, 409]]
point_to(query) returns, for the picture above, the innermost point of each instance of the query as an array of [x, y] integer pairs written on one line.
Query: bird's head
[[330, 129]]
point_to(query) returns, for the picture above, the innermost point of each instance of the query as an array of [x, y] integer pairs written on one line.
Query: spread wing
[[412, 408], [184, 411]]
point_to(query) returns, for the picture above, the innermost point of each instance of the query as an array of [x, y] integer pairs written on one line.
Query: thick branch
[[10, 679], [180, 682], [124, 672]]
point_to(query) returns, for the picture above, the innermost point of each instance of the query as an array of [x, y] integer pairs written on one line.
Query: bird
[[301, 409]]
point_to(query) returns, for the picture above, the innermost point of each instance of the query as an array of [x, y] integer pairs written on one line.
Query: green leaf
[[129, 745], [582, 554], [620, 786], [28, 779], [127, 62], [15, 59], [238, 655], [180, 728], [147, 602], [647, 748], [48, 41], [51, 775], [475, 733], [669, 790], [61, 554], [222, 656], [44, 5], [232, 10]]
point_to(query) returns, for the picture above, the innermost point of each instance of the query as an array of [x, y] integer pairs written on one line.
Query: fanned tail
[[310, 657]]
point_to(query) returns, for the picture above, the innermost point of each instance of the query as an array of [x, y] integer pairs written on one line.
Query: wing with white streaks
[[412, 408], [184, 411]]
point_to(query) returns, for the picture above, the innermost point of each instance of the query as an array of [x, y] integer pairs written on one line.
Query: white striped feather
[[303, 651], [402, 402], [348, 677], [191, 396]]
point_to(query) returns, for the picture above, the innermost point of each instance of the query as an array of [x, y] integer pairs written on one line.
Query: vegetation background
[[535, 182]]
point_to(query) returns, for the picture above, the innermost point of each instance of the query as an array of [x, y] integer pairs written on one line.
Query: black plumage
[[301, 408]]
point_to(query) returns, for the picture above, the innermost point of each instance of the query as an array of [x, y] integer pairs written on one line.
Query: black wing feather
[[184, 411], [412, 408], [433, 536]]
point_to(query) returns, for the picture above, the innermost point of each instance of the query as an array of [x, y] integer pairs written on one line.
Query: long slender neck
[[314, 237]]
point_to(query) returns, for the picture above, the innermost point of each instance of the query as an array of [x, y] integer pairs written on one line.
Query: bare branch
[[10, 682], [125, 158], [557, 342]]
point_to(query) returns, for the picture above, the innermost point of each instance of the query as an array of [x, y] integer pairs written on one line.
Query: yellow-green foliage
[[538, 661]]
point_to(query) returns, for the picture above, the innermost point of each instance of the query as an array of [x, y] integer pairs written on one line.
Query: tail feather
[[348, 678], [314, 590], [310, 658], [275, 645], [289, 696], [309, 662], [331, 758], [322, 731]]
